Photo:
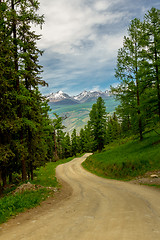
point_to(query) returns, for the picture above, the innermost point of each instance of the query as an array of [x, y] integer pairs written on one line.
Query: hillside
[[127, 159]]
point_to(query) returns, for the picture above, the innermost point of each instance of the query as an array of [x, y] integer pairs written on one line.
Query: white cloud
[[81, 38], [102, 5], [68, 22]]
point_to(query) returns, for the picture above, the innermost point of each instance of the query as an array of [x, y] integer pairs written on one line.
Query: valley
[[76, 114]]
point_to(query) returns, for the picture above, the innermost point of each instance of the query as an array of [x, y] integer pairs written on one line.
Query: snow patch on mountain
[[90, 95], [58, 96], [85, 96]]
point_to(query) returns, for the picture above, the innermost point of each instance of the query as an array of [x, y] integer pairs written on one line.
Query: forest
[[28, 137]]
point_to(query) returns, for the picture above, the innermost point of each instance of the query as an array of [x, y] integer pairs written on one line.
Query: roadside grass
[[45, 176], [12, 204], [126, 159]]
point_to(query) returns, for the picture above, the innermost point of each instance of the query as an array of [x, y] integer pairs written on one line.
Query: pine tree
[[82, 140], [66, 146], [113, 128], [129, 72], [25, 129], [57, 133], [98, 123], [7, 94], [152, 57], [139, 74], [86, 139], [74, 143]]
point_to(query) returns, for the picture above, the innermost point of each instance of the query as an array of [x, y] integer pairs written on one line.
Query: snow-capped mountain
[[85, 96], [58, 96], [61, 98]]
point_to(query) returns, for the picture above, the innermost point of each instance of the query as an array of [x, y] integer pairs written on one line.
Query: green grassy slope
[[11, 204], [127, 160]]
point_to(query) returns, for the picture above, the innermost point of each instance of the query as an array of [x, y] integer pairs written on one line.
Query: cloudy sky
[[80, 39]]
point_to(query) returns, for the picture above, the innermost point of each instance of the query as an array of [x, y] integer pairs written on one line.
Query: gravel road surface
[[95, 209]]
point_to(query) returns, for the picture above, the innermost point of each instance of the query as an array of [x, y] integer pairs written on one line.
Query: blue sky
[[81, 38]]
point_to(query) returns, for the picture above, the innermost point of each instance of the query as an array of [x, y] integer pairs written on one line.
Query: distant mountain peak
[[86, 96], [60, 92], [58, 96], [62, 98]]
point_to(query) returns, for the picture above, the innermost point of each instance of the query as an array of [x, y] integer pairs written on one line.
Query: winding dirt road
[[98, 209]]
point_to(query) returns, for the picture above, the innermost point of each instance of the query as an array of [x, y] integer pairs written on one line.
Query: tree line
[[138, 72]]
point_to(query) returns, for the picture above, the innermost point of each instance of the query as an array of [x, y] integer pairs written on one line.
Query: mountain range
[[75, 110], [62, 98]]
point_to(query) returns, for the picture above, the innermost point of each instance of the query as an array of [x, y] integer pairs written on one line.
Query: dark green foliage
[[152, 54], [66, 146], [129, 73], [83, 140], [58, 136], [97, 124], [138, 64], [113, 129], [25, 128], [74, 143], [86, 140], [100, 129]]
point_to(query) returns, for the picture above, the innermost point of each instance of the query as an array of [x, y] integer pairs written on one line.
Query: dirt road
[[98, 209]]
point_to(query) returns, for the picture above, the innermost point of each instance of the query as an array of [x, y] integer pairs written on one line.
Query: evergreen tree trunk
[[138, 97], [31, 170], [55, 147], [157, 81], [128, 122], [4, 176], [10, 178], [24, 172], [139, 114]]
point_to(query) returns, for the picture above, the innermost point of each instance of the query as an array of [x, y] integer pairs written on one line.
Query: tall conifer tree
[[98, 123], [128, 71]]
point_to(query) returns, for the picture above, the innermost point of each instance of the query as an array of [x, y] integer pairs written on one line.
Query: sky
[[81, 38]]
